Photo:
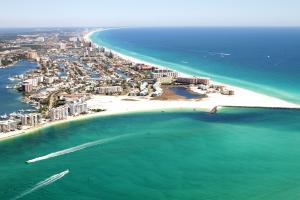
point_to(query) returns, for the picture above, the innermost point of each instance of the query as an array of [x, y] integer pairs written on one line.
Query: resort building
[[158, 73], [110, 90], [193, 80], [77, 108], [31, 119], [59, 113], [143, 67]]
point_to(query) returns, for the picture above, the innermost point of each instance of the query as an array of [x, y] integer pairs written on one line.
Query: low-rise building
[[227, 92], [165, 80], [110, 90]]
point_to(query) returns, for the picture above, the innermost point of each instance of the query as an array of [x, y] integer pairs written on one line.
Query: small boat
[[11, 79]]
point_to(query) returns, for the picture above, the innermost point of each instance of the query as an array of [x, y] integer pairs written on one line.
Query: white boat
[[11, 79]]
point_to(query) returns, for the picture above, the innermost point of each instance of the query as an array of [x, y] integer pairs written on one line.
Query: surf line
[[78, 148], [43, 183]]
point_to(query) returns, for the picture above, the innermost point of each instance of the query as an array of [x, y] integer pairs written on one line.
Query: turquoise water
[[11, 99], [266, 60], [248, 154], [236, 154]]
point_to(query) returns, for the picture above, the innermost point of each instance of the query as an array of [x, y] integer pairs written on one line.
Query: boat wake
[[43, 183], [77, 148]]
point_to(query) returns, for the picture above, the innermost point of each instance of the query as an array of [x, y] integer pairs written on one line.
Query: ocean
[[249, 154], [265, 60], [11, 99], [236, 154]]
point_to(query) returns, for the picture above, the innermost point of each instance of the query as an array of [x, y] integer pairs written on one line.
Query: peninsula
[[77, 79]]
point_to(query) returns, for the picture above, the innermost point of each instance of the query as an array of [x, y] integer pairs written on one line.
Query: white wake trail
[[43, 183], [77, 148]]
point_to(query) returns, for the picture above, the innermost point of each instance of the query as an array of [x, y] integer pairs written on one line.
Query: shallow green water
[[236, 154]]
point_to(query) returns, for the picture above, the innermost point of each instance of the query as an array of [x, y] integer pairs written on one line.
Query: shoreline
[[116, 105], [130, 108], [87, 37], [273, 100]]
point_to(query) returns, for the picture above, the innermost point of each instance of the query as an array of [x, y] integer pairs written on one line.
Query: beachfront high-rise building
[[77, 108], [193, 80], [164, 73], [31, 119], [74, 109], [59, 113]]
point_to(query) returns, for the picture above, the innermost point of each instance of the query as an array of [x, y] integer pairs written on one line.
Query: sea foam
[[77, 148], [43, 183]]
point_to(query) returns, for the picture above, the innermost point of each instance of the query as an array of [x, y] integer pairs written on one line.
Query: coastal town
[[71, 70], [76, 78]]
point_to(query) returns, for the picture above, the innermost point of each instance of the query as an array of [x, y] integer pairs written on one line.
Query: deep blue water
[[10, 99], [266, 60], [236, 154]]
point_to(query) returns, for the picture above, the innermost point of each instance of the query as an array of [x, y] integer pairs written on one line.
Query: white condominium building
[[77, 108], [58, 113]]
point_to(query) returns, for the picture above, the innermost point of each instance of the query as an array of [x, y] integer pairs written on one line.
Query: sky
[[103, 13]]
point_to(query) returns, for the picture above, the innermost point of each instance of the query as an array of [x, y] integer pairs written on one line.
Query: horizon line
[[192, 26]]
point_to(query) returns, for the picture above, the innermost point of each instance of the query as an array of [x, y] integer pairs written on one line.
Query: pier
[[214, 110]]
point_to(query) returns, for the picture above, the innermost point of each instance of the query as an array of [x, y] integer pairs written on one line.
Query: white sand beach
[[125, 104], [114, 105], [242, 97]]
